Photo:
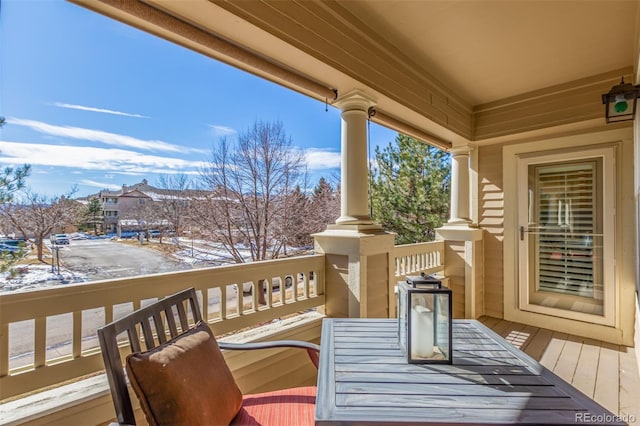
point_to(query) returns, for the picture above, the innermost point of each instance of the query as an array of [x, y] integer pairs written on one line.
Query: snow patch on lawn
[[33, 277]]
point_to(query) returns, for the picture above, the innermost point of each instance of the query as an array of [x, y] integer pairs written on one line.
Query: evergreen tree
[[93, 215], [410, 189], [325, 205]]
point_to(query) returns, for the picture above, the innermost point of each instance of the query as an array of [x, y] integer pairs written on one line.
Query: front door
[[566, 233]]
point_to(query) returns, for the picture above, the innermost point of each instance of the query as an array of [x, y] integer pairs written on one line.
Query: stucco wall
[[454, 270]]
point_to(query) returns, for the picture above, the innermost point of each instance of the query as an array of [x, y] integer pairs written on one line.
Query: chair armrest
[[312, 349]]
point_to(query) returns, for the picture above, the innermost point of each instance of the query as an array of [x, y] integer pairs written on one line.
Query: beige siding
[[491, 219], [478, 271], [563, 104]]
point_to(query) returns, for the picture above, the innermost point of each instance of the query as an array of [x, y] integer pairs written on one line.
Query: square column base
[[464, 260], [356, 270]]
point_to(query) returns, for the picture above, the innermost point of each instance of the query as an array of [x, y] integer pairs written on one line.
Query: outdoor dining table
[[364, 378]]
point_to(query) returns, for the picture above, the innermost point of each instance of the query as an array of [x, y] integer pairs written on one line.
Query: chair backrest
[[158, 322]]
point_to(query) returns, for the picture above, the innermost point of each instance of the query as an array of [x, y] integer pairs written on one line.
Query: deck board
[[629, 383], [585, 373], [606, 380], [605, 372], [568, 359]]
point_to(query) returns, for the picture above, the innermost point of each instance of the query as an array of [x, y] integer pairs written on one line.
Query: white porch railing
[[49, 336], [413, 259]]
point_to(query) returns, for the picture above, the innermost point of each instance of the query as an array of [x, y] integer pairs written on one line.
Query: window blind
[[567, 226]]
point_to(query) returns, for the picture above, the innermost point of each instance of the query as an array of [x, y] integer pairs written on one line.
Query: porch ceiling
[[453, 69], [490, 50]]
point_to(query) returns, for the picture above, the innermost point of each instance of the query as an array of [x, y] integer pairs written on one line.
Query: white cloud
[[91, 158], [92, 109], [110, 186], [222, 130], [100, 136], [319, 159]]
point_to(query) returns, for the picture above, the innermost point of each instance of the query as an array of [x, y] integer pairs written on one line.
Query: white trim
[[571, 143], [608, 201]]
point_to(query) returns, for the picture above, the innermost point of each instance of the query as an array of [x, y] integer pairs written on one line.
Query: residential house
[[118, 205]]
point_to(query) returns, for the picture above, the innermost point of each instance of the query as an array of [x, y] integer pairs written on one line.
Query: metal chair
[[160, 323]]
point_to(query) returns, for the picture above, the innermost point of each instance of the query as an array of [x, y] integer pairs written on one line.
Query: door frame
[[621, 331], [607, 153]]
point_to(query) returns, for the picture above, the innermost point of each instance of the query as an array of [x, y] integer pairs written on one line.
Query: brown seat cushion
[[185, 381], [289, 407]]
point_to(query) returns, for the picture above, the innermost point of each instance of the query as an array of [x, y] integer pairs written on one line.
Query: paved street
[[104, 259]]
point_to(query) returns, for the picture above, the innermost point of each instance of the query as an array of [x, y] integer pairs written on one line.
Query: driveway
[[105, 259]]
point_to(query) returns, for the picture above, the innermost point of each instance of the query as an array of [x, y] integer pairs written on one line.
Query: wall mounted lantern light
[[620, 102]]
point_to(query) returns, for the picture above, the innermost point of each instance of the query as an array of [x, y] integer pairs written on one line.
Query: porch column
[[356, 249], [460, 186], [463, 239], [354, 203]]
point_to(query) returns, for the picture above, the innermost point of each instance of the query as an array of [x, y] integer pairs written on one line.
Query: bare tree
[[38, 216], [174, 204], [249, 183]]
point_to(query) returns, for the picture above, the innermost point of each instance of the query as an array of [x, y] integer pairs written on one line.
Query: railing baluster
[[77, 334], [40, 342], [307, 283], [256, 288], [223, 300], [4, 349], [413, 259], [294, 286], [108, 314]]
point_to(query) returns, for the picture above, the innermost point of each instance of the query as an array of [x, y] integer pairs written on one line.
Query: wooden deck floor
[[605, 372]]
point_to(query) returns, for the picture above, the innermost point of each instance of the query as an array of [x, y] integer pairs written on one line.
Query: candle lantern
[[424, 320]]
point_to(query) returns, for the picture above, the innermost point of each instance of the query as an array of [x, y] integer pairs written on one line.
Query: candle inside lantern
[[421, 332]]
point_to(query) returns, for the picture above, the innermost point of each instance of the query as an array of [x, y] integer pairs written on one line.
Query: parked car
[[9, 248], [60, 239], [79, 236], [16, 242], [247, 288]]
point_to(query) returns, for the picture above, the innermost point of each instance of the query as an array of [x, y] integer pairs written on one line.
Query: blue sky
[[93, 103]]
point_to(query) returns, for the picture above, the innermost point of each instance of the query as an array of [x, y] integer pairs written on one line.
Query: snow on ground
[[34, 277], [207, 253]]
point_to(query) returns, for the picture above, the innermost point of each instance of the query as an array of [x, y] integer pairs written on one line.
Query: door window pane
[[565, 242]]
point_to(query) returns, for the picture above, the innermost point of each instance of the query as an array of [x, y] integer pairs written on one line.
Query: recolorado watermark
[[605, 418]]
